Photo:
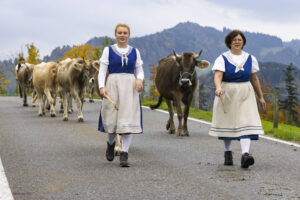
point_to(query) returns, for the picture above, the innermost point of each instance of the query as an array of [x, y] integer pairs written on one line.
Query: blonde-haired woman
[[122, 62]]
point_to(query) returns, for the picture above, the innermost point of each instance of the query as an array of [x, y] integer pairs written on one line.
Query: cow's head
[[187, 61], [83, 67], [28, 73]]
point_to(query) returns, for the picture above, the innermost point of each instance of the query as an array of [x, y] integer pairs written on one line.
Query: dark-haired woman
[[235, 112]]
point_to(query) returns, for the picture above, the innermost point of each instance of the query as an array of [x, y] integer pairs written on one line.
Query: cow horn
[[176, 55], [198, 55]]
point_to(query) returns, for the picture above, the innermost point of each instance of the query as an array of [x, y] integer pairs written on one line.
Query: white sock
[[227, 145], [126, 141], [111, 138], [245, 145]]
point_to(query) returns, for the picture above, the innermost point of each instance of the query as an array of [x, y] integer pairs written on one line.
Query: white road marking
[[5, 192], [208, 123]]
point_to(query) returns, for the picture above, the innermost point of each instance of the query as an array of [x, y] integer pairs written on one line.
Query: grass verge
[[284, 131]]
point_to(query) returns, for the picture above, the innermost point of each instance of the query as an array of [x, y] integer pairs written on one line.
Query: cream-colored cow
[[72, 77], [45, 84]]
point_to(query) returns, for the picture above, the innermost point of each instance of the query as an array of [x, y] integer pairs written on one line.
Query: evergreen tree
[[291, 102], [33, 54], [106, 41]]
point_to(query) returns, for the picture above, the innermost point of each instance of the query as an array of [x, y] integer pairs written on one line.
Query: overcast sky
[[52, 23]]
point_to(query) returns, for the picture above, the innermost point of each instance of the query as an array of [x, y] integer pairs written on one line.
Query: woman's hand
[[219, 92], [103, 92], [139, 85], [262, 103]]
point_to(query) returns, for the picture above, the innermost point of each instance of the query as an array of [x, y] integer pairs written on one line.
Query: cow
[[24, 75], [45, 84], [72, 77], [176, 80], [93, 81]]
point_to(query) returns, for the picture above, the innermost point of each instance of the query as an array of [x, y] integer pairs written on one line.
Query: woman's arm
[[139, 72], [257, 88], [218, 80]]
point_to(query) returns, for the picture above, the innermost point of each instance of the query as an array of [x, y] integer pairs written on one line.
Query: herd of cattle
[[68, 78], [72, 78]]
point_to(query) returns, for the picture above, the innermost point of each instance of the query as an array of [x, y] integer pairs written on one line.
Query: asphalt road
[[47, 158]]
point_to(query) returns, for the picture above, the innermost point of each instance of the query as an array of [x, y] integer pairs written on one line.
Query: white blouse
[[236, 60], [104, 62]]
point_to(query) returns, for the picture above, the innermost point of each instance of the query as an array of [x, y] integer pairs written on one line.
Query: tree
[[106, 41], [153, 93], [84, 51], [291, 102], [3, 82], [33, 54], [96, 53]]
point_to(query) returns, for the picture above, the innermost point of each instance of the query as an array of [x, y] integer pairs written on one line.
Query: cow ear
[[203, 64], [77, 67]]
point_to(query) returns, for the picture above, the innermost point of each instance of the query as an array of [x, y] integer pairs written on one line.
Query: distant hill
[[193, 37], [57, 53], [294, 44]]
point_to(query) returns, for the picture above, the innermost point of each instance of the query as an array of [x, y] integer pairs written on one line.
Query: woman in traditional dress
[[235, 112], [122, 86]]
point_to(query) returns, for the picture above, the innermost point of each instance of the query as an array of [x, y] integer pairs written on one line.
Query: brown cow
[[176, 82], [93, 81], [45, 84], [25, 80], [73, 77]]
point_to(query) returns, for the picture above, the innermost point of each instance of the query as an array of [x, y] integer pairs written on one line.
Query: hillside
[[193, 37], [190, 36]]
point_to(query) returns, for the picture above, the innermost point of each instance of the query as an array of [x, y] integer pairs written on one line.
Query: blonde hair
[[122, 25]]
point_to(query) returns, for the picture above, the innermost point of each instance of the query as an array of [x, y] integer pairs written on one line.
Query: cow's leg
[[170, 124], [65, 97], [61, 101], [50, 101], [186, 114], [79, 104], [177, 104], [118, 146], [91, 94], [70, 104], [40, 97], [81, 94], [24, 94], [34, 98], [44, 104]]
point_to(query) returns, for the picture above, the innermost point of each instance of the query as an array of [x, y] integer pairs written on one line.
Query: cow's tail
[[158, 103]]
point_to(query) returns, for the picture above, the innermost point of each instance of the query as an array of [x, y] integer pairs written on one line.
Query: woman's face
[[122, 35], [237, 43]]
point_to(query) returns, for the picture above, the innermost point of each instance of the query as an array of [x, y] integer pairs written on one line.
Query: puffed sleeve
[[255, 66], [219, 64], [104, 61], [139, 66]]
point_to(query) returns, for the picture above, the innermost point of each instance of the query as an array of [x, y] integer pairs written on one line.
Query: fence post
[[196, 106], [275, 105]]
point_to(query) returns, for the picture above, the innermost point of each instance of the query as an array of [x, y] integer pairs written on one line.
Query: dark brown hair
[[233, 34]]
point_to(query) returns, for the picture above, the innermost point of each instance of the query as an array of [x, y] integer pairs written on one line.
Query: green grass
[[284, 131]]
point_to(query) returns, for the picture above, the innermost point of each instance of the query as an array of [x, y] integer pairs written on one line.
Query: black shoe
[[124, 159], [110, 151], [246, 160], [228, 158]]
